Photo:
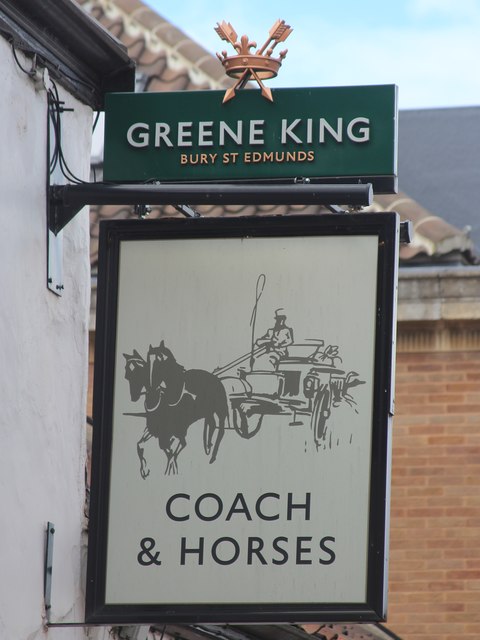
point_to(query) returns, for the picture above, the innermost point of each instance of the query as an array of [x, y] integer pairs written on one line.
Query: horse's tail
[[210, 425], [207, 437], [234, 387], [217, 421], [226, 408]]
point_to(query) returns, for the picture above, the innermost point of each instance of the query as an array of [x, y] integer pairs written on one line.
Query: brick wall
[[434, 590]]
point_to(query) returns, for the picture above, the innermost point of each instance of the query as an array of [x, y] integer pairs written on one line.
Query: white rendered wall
[[43, 366]]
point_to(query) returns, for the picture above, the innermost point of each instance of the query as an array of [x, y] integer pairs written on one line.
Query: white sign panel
[[240, 413]]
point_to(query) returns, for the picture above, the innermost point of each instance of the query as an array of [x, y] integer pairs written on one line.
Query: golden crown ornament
[[259, 65]]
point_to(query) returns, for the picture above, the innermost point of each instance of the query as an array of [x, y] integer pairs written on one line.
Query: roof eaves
[[77, 51]]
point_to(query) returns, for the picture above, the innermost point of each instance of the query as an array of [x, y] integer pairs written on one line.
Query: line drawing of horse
[[175, 398]]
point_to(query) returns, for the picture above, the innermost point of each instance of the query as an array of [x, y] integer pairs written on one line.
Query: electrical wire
[[53, 115], [95, 122], [30, 72], [58, 159], [55, 110], [20, 46]]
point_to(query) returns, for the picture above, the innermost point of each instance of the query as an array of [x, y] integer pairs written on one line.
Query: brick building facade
[[434, 586]]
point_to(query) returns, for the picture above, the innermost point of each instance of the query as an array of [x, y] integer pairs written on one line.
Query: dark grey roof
[[439, 163]]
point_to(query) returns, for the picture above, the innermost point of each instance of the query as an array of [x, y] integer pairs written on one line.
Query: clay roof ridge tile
[[429, 218], [206, 58], [181, 50], [139, 10]]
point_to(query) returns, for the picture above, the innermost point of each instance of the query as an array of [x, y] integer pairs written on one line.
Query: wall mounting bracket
[[48, 570], [47, 590], [66, 200]]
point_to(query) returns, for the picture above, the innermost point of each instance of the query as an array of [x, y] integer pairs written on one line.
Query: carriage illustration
[[276, 377], [306, 384]]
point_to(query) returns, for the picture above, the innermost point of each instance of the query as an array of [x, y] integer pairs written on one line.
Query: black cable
[[54, 120], [19, 64], [27, 50], [58, 156], [163, 631], [92, 166], [54, 108], [95, 122]]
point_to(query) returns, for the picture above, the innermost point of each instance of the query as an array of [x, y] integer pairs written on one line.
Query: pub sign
[[322, 133], [242, 407]]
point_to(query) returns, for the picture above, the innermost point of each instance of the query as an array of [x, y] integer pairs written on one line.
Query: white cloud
[[432, 65], [452, 9], [431, 68]]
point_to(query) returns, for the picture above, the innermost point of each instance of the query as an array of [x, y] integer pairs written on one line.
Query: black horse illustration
[[175, 398]]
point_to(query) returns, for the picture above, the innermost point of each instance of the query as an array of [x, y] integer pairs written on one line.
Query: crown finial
[[261, 65]]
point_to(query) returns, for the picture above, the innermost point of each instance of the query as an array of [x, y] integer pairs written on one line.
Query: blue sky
[[429, 48]]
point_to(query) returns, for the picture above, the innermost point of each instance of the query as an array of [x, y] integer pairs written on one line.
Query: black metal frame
[[65, 201], [383, 225]]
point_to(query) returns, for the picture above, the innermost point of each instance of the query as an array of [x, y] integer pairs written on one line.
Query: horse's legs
[[172, 454], [174, 466], [182, 443], [170, 467], [168, 453], [144, 470]]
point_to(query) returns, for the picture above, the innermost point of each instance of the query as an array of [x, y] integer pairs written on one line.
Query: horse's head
[[136, 373], [161, 365]]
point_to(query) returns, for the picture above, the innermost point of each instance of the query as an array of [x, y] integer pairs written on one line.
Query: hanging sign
[[242, 404], [326, 134]]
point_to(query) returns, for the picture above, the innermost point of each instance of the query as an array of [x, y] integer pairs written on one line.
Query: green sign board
[[325, 134]]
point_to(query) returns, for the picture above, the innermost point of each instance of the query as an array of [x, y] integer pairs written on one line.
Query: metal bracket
[[187, 210], [48, 570], [334, 208], [55, 262], [47, 582], [66, 200], [406, 232], [54, 240]]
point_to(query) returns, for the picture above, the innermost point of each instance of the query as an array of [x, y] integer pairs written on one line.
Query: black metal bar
[[67, 200], [380, 183], [73, 194]]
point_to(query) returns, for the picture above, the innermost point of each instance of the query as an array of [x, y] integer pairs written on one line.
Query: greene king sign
[[344, 133]]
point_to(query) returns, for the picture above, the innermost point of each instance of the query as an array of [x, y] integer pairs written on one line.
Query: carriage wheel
[[246, 426], [320, 414]]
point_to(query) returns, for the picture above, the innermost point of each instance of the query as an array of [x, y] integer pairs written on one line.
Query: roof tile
[[432, 236]]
